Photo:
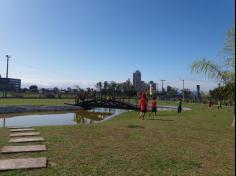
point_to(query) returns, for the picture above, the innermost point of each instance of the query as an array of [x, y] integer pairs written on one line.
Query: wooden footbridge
[[106, 103]]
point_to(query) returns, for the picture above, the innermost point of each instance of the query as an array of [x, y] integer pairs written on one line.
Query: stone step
[[24, 134], [25, 148], [26, 139], [23, 163], [22, 129], [18, 127]]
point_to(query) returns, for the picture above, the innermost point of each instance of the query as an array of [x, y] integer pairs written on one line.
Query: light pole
[[183, 90], [6, 83]]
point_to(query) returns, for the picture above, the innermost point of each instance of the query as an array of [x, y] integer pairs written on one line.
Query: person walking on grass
[[210, 103], [154, 106], [179, 105], [219, 104], [143, 106]]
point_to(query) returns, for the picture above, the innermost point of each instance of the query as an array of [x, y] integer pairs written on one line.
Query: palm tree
[[99, 86], [224, 72]]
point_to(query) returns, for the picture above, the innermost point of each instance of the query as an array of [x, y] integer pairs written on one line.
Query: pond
[[93, 116]]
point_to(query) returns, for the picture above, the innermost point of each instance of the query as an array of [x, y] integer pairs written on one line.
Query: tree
[[33, 88], [187, 93], [56, 90], [78, 89], [172, 92], [224, 72], [99, 86], [106, 85]]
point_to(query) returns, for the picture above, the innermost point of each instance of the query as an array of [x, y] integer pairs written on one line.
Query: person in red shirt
[[154, 106], [143, 106], [210, 103]]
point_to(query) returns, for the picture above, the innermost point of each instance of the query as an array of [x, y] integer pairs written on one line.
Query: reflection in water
[[88, 117], [58, 118]]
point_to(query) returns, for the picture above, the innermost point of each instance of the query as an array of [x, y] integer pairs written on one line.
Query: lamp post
[[183, 90], [6, 83]]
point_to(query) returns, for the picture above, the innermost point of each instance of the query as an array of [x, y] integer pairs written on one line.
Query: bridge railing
[[99, 96]]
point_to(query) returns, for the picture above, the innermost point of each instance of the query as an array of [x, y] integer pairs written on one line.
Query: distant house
[[10, 84]]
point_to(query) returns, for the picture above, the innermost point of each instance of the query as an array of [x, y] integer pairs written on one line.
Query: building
[[137, 80], [128, 83], [143, 87], [10, 84]]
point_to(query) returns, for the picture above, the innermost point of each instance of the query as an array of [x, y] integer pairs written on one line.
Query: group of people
[[143, 104]]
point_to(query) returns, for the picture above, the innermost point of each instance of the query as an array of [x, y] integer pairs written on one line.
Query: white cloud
[[58, 83]]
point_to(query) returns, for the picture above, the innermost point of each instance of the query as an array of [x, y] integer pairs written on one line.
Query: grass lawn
[[23, 101], [36, 101], [194, 143]]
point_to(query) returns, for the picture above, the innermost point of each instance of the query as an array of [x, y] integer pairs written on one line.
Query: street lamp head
[[8, 56]]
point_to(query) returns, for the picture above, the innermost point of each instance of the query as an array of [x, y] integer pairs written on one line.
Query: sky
[[81, 42]]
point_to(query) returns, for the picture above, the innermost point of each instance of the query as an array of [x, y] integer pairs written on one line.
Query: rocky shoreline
[[28, 108]]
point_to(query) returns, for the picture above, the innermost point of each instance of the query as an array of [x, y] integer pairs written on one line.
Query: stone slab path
[[30, 135], [18, 149], [20, 134], [22, 129], [26, 139], [23, 163], [15, 127]]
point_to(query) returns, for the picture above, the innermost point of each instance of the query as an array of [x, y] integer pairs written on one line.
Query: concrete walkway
[[26, 139], [21, 134], [22, 129], [23, 163], [18, 135], [25, 148]]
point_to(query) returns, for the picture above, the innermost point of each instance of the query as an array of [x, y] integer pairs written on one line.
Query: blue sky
[[67, 42]]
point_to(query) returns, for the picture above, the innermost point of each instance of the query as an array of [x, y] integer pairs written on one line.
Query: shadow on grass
[[135, 126]]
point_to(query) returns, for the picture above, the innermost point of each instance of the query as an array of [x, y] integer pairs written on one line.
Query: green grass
[[22, 101], [36, 101], [195, 143]]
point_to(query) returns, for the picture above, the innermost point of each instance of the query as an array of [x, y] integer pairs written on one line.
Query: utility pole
[[6, 84], [162, 85], [183, 90]]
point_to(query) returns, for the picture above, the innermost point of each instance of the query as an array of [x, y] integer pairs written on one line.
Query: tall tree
[[33, 88], [224, 72], [99, 86], [106, 85]]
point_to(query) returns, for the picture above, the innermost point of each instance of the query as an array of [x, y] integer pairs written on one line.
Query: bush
[[50, 96]]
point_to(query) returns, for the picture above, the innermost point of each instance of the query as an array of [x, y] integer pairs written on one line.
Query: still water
[[93, 116]]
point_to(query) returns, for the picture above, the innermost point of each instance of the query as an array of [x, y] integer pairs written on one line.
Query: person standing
[[179, 105], [154, 106], [210, 104], [143, 106], [219, 104]]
